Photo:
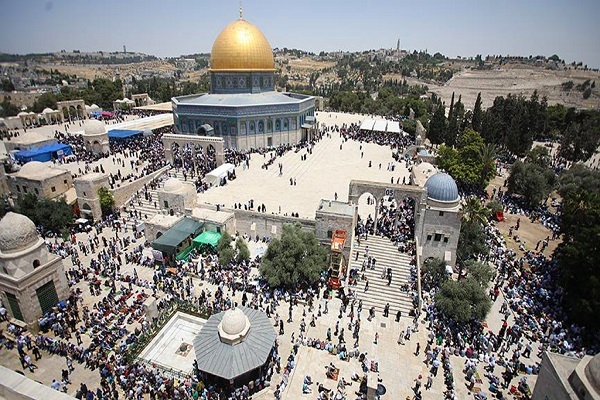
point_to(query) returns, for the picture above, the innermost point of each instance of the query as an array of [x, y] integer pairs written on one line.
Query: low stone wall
[[14, 386], [255, 223], [123, 194]]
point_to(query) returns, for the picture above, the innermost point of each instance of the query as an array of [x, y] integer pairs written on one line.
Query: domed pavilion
[[95, 137], [243, 107], [32, 280], [234, 346], [441, 218]]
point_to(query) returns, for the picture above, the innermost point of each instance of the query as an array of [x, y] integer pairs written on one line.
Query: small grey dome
[[442, 187], [17, 232]]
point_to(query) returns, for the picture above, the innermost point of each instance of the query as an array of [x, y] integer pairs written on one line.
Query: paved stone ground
[[328, 170]]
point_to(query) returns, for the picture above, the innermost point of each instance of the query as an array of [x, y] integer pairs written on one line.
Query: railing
[[150, 333]]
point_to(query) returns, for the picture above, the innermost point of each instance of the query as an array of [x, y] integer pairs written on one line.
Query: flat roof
[[241, 99], [166, 106], [204, 214], [336, 207]]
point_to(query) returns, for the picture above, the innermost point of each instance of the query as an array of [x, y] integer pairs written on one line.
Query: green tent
[[185, 254], [207, 237]]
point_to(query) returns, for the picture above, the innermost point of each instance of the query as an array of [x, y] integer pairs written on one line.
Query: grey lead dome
[[442, 187]]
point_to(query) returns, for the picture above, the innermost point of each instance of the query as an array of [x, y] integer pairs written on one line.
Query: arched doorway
[[367, 214]]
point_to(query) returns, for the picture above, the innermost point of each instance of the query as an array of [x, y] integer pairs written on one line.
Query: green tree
[[473, 211], [52, 215], [540, 156], [578, 252], [296, 258], [243, 253], [479, 271], [463, 300], [437, 126], [433, 273], [107, 200], [224, 249], [531, 181], [46, 100], [581, 138], [477, 114], [471, 242], [487, 157], [466, 163]]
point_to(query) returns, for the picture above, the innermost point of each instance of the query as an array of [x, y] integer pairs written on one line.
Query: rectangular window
[[445, 239], [53, 188], [166, 204], [14, 306], [428, 237], [18, 188], [441, 213], [438, 237], [329, 234]]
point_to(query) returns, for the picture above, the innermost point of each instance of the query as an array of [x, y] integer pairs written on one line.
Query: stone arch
[[96, 147], [36, 263], [209, 146], [158, 234], [380, 190]]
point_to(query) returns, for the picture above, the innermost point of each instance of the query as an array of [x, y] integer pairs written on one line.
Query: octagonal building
[[243, 107]]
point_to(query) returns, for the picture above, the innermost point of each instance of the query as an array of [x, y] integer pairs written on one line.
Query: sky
[[169, 28]]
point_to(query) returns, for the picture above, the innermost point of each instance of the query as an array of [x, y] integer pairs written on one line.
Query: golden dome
[[241, 46]]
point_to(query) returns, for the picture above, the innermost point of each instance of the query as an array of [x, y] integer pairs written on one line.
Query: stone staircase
[[379, 293], [147, 206]]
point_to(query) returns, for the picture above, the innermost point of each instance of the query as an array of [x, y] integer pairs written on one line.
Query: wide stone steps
[[379, 292]]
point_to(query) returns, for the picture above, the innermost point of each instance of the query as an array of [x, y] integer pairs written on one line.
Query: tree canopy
[[577, 254], [296, 258], [224, 249], [531, 181], [52, 215], [471, 163], [107, 200], [463, 300]]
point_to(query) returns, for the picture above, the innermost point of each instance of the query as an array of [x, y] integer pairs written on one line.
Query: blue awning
[[44, 153], [123, 133]]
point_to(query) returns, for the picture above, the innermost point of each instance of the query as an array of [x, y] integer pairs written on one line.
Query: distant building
[[243, 107], [43, 180]]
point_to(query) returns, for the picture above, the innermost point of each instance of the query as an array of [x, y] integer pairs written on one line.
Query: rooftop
[[336, 207], [241, 99]]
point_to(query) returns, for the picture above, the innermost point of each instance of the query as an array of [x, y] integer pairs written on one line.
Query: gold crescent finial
[[240, 9]]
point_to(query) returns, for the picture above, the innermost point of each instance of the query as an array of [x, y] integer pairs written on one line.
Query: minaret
[[398, 46]]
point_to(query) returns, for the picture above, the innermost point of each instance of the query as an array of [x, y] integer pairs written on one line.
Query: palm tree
[[473, 211], [487, 156]]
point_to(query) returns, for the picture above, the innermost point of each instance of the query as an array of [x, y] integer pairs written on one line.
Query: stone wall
[[254, 223], [14, 386], [124, 193]]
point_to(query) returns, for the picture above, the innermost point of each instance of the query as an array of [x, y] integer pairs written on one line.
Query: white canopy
[[367, 125], [380, 125], [393, 127], [214, 177]]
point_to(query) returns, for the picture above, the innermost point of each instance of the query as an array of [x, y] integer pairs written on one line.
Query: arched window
[[36, 263]]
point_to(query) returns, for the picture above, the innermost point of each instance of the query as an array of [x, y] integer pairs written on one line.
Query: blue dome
[[441, 187]]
